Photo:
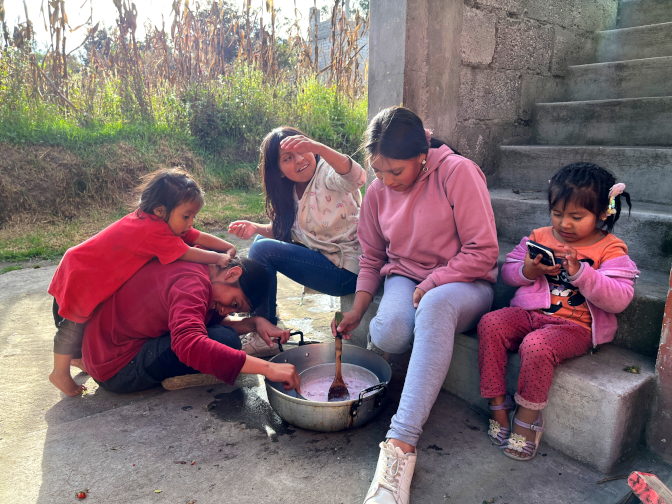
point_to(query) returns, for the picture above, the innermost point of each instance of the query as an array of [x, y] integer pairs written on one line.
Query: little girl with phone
[[559, 311]]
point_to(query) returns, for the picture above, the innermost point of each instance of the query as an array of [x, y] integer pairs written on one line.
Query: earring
[[423, 163]]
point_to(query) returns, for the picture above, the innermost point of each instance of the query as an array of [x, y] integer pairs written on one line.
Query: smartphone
[[547, 256]]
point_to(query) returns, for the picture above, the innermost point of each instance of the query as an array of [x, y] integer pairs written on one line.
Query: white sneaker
[[254, 345], [392, 482]]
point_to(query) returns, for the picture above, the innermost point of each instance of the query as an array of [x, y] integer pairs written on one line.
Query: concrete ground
[[125, 448]]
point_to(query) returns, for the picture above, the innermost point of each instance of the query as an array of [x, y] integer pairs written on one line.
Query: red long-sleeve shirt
[[173, 298]]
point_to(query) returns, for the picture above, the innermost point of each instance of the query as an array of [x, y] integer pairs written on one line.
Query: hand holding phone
[[539, 261]]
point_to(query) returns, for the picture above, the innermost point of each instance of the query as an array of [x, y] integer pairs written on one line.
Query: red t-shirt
[[159, 299], [92, 271]]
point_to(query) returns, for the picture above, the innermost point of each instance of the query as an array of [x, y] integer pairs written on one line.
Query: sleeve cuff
[[426, 285], [523, 277], [576, 276]]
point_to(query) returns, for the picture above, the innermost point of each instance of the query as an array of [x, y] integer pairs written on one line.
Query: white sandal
[[525, 450], [497, 434]]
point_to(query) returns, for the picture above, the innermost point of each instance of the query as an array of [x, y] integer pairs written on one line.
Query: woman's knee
[[391, 332], [260, 249]]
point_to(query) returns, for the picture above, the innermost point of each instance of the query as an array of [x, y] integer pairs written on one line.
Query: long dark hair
[[167, 187], [586, 185], [278, 189], [397, 133]]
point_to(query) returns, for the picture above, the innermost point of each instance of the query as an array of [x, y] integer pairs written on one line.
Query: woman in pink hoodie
[[427, 228], [574, 278]]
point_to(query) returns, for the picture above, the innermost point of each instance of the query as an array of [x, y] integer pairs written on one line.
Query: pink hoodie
[[607, 290], [441, 230]]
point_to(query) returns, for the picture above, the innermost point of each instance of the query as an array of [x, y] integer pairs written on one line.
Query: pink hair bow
[[428, 135], [614, 191]]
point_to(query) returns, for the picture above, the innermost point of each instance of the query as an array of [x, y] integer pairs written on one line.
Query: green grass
[[49, 241], [10, 268]]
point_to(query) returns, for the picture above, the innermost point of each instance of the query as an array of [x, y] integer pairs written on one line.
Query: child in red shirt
[[92, 271]]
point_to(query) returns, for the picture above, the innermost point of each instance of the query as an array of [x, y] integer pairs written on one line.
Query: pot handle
[[293, 333], [379, 396]]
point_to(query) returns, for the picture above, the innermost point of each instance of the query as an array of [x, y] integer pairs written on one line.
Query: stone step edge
[[598, 65], [596, 102], [623, 30]]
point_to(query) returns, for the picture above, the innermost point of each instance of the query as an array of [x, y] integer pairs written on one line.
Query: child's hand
[[223, 260], [533, 268], [417, 296], [300, 144], [571, 261], [243, 229], [232, 253]]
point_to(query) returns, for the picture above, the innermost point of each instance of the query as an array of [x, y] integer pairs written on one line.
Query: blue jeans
[[156, 361], [301, 264]]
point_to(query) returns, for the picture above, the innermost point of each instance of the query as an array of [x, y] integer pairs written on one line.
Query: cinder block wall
[[473, 69]]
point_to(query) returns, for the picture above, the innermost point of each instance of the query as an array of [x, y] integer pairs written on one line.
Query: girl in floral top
[[313, 201]]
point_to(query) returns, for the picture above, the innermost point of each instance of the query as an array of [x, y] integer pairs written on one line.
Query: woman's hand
[[300, 144], [285, 374], [349, 323], [571, 261], [269, 332], [243, 229], [533, 268], [417, 296]]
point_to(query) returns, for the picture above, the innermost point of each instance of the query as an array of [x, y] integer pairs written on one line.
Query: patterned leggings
[[542, 341]]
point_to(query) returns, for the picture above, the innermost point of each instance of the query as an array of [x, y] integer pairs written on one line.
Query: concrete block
[[523, 44], [622, 79], [643, 12], [488, 94], [578, 14], [594, 412], [571, 48], [478, 37], [628, 121], [508, 6], [649, 41], [647, 232], [536, 89], [529, 167]]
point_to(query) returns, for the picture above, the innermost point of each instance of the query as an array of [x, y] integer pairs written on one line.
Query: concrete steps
[[529, 167], [647, 232], [650, 41], [643, 12], [638, 326], [625, 122], [594, 407], [620, 79]]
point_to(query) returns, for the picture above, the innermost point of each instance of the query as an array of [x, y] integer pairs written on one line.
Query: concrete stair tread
[[617, 122], [645, 77], [643, 12], [639, 207], [635, 42], [530, 167]]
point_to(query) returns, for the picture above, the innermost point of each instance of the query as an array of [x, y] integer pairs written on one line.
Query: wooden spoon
[[338, 390]]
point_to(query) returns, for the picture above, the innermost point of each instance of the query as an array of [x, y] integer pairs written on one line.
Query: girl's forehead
[[569, 207], [383, 163]]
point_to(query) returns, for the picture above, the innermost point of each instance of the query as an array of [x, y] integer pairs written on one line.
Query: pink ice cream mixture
[[318, 390]]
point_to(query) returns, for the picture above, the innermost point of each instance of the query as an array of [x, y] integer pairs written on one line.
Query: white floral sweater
[[328, 214]]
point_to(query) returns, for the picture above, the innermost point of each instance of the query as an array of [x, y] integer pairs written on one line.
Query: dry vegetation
[[79, 125]]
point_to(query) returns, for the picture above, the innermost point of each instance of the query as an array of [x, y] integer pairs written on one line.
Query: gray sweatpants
[[430, 331]]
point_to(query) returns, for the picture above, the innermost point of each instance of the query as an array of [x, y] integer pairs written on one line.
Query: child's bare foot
[[66, 384], [527, 416], [78, 363]]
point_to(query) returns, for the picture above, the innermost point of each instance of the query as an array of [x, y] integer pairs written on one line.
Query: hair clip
[[428, 135], [615, 190]]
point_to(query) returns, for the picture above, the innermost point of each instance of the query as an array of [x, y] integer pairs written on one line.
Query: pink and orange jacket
[[608, 289], [439, 231]]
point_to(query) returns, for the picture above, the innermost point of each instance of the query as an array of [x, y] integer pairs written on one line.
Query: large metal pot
[[329, 416]]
